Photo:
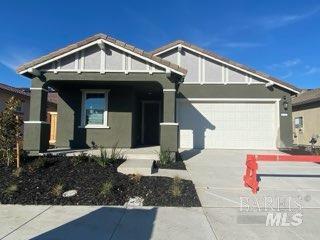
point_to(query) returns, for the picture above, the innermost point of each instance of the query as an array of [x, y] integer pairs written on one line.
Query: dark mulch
[[179, 165], [35, 185], [299, 150]]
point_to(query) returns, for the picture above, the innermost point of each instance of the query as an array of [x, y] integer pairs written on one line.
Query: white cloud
[[312, 70], [286, 64], [272, 22], [12, 57], [242, 44]]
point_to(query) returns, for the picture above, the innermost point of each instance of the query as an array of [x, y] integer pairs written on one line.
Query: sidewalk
[[93, 222]]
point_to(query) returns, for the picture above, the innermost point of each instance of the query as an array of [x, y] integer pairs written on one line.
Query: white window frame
[[105, 114]]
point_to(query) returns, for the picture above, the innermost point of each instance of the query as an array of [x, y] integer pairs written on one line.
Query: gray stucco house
[[178, 96]]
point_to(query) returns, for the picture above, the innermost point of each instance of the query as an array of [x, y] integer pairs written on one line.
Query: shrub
[[10, 129], [165, 157], [109, 159], [116, 153], [136, 178], [176, 187], [41, 162], [82, 157], [57, 189], [17, 172], [106, 188], [10, 190]]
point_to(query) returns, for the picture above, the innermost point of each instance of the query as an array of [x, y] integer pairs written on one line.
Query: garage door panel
[[227, 125]]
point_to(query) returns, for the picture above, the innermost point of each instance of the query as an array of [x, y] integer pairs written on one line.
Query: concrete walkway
[[217, 175], [116, 223]]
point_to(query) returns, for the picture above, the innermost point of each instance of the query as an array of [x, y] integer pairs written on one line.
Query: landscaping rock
[[69, 193], [135, 202]]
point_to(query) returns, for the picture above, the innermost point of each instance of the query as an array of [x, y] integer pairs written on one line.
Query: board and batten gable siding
[[94, 59], [207, 71]]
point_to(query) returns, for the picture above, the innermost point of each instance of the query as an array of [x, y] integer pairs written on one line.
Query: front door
[[150, 123]]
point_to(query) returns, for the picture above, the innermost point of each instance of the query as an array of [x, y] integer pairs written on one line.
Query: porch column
[[36, 130], [169, 126]]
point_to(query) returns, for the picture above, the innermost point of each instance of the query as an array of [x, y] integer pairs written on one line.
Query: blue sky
[[281, 38]]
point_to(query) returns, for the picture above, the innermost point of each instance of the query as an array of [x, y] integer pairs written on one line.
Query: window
[[298, 122], [94, 109], [20, 107]]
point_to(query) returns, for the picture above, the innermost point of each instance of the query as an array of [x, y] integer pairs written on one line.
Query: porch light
[[285, 103]]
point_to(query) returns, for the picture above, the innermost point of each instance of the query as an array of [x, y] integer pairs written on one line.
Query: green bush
[[106, 188], [165, 157], [11, 190], [10, 130]]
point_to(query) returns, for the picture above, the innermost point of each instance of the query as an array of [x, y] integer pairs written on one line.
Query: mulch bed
[[35, 185], [178, 165]]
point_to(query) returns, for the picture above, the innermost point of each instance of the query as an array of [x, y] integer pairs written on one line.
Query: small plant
[[41, 162], [57, 189], [176, 187], [165, 157], [82, 157], [17, 172], [10, 190], [106, 188], [116, 153], [136, 178], [109, 159]]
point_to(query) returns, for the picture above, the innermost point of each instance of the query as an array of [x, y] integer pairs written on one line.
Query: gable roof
[[14, 90], [306, 97], [94, 39], [226, 61], [25, 92]]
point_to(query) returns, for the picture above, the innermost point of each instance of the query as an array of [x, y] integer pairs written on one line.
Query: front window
[[298, 122], [94, 109]]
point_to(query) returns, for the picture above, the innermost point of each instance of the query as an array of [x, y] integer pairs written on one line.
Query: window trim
[[105, 113]]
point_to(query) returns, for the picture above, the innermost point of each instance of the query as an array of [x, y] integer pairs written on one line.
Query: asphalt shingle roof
[[306, 97]]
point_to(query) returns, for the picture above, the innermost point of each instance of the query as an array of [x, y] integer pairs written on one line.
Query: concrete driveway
[[286, 189]]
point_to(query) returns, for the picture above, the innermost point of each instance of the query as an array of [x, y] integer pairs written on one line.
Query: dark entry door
[[151, 123]]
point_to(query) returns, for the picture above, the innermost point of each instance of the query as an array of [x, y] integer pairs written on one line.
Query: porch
[[100, 111]]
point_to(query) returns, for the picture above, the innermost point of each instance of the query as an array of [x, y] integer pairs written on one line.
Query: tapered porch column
[[169, 126], [36, 130]]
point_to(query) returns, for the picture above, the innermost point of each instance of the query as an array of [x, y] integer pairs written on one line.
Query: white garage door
[[227, 125]]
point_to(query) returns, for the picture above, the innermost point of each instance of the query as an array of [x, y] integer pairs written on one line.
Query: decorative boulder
[[69, 193]]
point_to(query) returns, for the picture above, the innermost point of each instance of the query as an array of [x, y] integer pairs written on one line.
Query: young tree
[[10, 129]]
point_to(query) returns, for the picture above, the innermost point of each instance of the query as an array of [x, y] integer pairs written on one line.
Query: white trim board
[[98, 41], [225, 63], [229, 99]]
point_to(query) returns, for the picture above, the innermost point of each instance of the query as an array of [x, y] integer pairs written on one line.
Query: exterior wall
[[94, 59], [120, 114], [246, 91], [5, 96], [311, 123], [205, 70]]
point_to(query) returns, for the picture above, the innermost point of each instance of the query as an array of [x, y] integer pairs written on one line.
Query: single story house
[[23, 95], [178, 96], [306, 117]]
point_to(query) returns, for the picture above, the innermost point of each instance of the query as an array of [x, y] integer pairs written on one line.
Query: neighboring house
[[178, 96], [23, 94], [6, 92], [306, 117]]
